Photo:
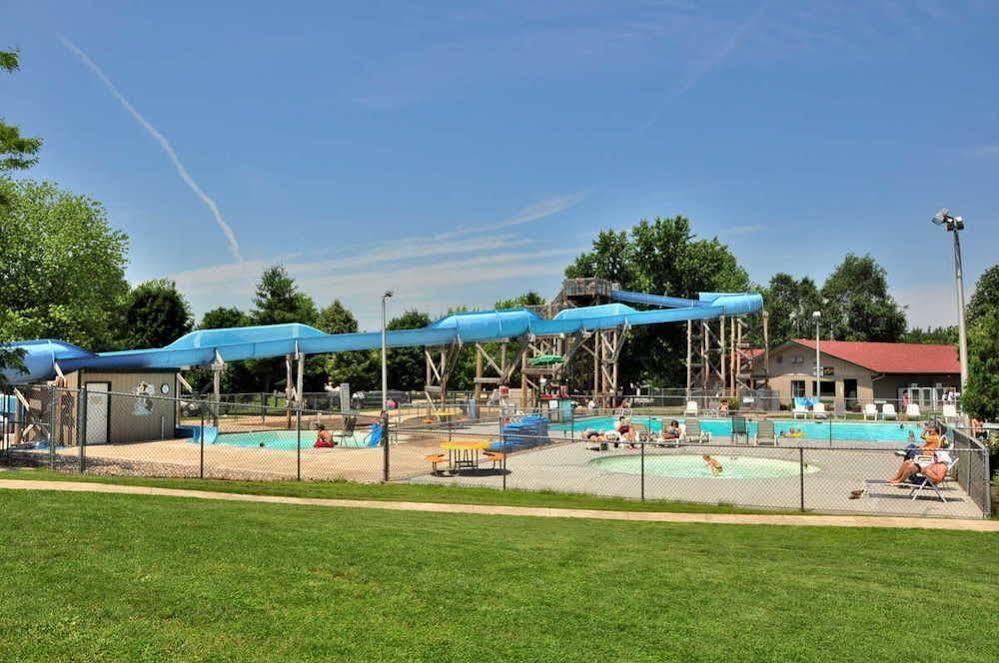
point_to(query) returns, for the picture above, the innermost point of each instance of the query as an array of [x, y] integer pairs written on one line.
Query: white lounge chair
[[888, 411], [870, 411], [912, 411], [949, 412], [919, 481], [800, 410], [691, 409], [819, 410], [692, 432]]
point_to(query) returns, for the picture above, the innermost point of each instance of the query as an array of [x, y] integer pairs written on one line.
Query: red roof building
[[859, 372]]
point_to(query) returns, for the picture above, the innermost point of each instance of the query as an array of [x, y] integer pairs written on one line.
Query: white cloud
[[989, 150], [164, 144], [535, 212]]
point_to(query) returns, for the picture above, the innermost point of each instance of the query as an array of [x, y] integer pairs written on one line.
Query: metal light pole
[[385, 298], [955, 224], [817, 316], [385, 417]]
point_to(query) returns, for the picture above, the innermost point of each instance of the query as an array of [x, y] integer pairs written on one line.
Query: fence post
[[506, 449], [53, 409], [201, 458], [642, 443], [385, 445], [801, 474], [298, 444], [82, 428], [830, 433]]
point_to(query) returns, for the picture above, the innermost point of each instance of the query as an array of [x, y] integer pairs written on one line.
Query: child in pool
[[713, 465]]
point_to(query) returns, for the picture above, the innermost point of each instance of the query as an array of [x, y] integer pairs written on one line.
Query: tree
[[224, 318], [16, 151], [62, 267], [156, 314], [279, 301], [529, 298], [981, 394], [406, 366], [790, 304], [661, 256], [932, 335], [237, 377], [986, 295], [859, 307], [361, 369]]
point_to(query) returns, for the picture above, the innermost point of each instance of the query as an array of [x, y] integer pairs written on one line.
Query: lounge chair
[[888, 411], [800, 409], [691, 409], [739, 430], [912, 411], [949, 412], [839, 410], [870, 411], [349, 424], [918, 482], [765, 433], [694, 434], [819, 410]]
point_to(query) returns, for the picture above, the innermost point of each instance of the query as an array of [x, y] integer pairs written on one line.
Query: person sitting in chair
[[323, 438], [672, 432], [931, 442], [933, 468]]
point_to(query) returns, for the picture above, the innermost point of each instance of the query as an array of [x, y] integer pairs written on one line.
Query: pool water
[[694, 467], [813, 430], [285, 440]]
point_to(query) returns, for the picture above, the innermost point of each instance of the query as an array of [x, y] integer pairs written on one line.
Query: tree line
[[62, 266]]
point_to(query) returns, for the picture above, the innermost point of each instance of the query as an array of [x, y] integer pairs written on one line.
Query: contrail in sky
[[164, 143]]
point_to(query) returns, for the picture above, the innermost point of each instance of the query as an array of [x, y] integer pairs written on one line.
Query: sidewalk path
[[540, 512]]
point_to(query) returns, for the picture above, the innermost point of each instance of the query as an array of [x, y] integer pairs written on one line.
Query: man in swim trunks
[[323, 438], [933, 468]]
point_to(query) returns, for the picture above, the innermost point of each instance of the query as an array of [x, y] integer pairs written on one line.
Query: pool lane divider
[[898, 522]]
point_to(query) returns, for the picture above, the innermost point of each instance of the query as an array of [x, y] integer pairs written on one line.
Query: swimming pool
[[813, 430], [694, 467], [284, 440]]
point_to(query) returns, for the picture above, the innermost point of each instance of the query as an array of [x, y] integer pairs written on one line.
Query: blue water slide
[[260, 342]]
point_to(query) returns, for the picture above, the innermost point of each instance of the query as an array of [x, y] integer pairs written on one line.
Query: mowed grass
[[350, 490], [92, 577]]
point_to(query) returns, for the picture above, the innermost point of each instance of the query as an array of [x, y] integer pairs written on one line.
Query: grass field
[[351, 490], [92, 577]]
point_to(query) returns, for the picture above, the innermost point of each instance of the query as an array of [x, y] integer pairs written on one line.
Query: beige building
[[854, 373], [122, 406]]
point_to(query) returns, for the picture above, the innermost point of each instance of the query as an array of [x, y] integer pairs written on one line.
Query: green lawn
[[395, 492], [92, 577]]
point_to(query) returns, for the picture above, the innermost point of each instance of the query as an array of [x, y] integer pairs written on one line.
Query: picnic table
[[464, 454]]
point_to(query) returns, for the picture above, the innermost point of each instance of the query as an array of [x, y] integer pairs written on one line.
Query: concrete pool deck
[[567, 467]]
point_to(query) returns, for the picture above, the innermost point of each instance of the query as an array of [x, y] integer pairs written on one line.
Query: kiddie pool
[[689, 466]]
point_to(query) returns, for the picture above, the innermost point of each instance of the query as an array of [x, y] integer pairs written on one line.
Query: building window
[[797, 388]]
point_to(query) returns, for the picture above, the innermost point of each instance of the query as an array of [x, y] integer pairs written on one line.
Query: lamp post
[[385, 298], [955, 224], [385, 418], [817, 316]]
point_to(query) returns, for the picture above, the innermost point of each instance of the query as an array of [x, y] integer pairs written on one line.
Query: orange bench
[[496, 456], [434, 460]]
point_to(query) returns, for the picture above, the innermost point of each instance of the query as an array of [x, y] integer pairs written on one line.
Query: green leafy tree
[[156, 314], [858, 306], [660, 256], [237, 377], [932, 335], [406, 366], [790, 303], [62, 267], [279, 301], [224, 317], [362, 369], [16, 151], [981, 394], [529, 298], [986, 296]]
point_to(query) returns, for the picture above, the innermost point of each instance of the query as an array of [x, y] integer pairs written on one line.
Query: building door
[[98, 412], [850, 393]]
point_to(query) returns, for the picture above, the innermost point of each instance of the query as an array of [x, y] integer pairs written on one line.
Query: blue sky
[[462, 153]]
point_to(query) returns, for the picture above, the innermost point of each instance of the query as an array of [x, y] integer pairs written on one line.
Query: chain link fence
[[831, 465]]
